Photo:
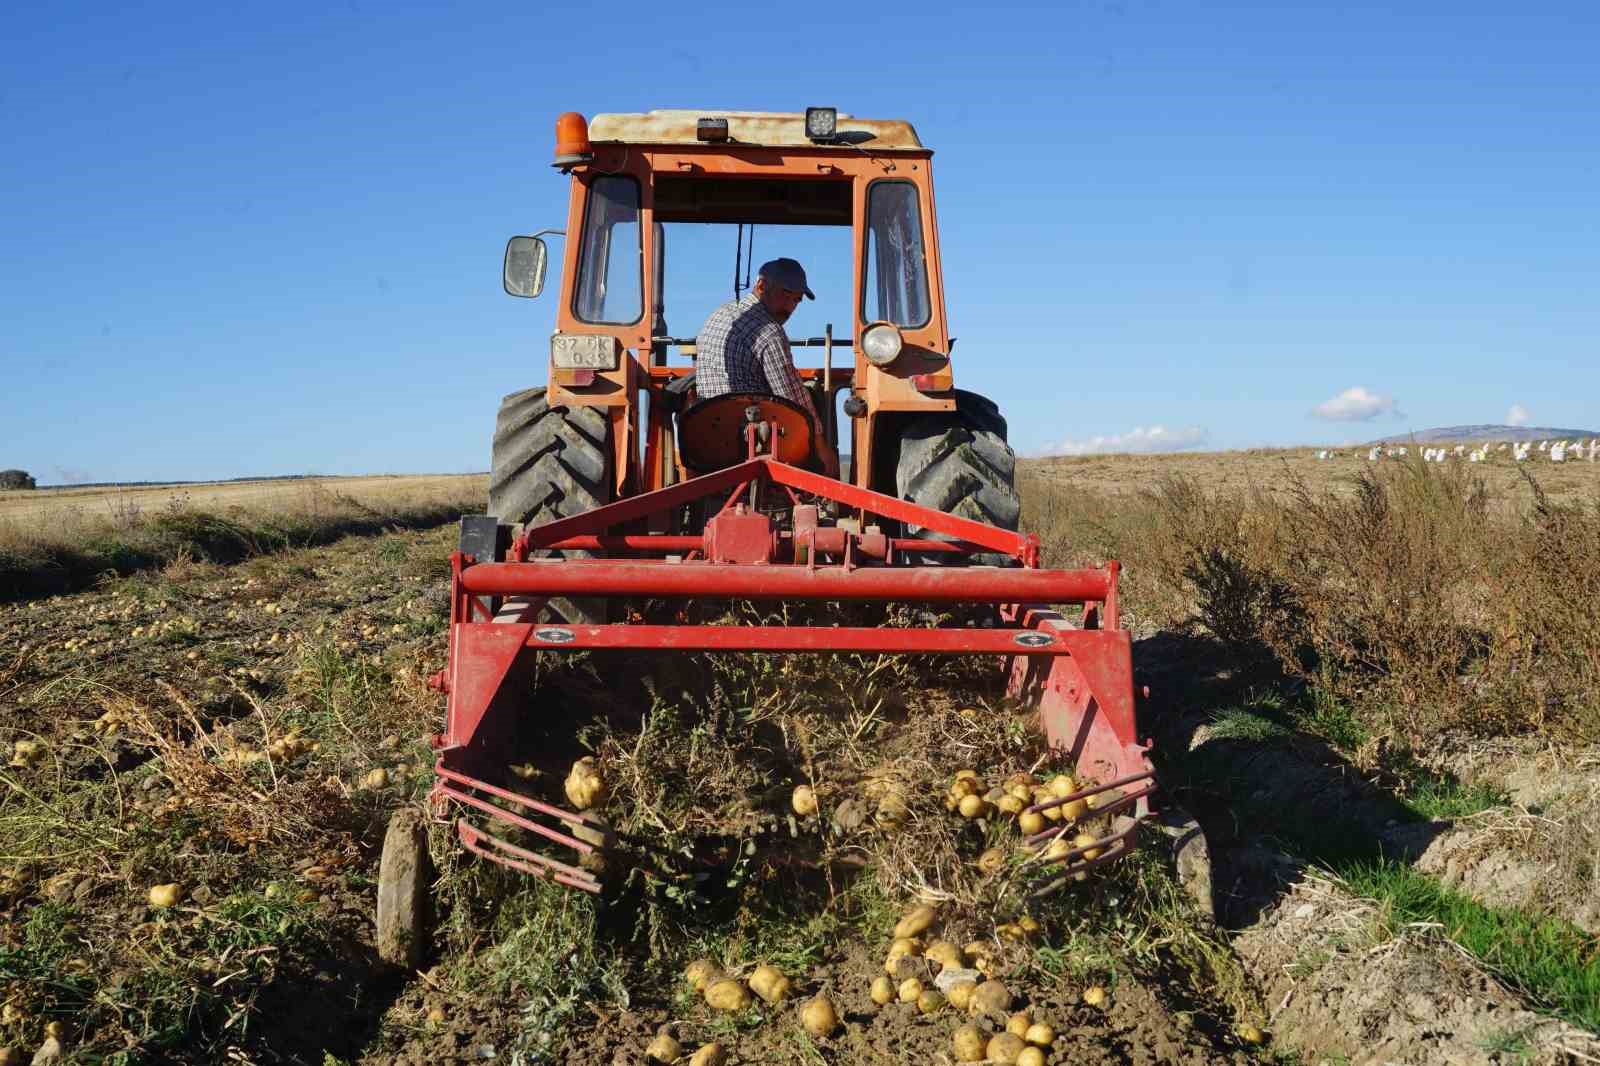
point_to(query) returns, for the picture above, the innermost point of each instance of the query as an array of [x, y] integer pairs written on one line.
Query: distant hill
[[1464, 434]]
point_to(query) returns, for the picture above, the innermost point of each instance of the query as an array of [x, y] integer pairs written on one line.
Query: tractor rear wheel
[[550, 462], [959, 462]]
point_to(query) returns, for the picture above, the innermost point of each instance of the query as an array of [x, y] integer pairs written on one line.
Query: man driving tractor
[[743, 346]]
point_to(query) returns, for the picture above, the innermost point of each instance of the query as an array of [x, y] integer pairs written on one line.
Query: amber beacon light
[[572, 140]]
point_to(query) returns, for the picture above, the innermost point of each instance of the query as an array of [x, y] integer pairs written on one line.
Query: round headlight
[[880, 343]]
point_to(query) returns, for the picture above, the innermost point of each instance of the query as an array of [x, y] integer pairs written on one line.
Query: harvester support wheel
[[959, 462], [404, 882], [550, 462]]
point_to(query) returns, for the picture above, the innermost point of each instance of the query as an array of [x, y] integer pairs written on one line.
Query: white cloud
[[1355, 404], [1139, 439], [1517, 416]]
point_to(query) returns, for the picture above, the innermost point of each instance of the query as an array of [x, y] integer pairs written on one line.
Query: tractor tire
[[959, 462], [548, 463]]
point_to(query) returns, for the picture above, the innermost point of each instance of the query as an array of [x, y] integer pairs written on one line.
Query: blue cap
[[787, 273]]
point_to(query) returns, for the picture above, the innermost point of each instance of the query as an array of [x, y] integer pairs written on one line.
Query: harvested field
[[52, 540], [217, 727], [41, 509]]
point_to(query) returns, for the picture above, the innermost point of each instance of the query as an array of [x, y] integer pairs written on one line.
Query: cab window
[[895, 288], [610, 263]]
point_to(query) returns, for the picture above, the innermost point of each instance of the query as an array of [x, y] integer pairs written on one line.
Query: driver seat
[[711, 432]]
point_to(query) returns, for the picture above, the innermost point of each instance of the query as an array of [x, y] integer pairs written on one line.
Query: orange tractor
[[615, 485]]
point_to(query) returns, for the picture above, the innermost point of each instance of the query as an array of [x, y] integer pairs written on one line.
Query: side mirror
[[526, 260]]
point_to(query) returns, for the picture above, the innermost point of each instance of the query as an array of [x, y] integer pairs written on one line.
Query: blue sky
[[257, 239]]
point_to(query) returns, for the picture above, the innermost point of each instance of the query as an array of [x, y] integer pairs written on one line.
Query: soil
[[222, 652], [1338, 991]]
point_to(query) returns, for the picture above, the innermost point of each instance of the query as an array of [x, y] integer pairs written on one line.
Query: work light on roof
[[822, 123], [711, 129]]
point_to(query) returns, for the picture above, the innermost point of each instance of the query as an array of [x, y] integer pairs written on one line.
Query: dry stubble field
[[1405, 861]]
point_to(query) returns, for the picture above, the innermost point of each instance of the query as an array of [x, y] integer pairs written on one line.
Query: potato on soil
[[769, 983], [164, 896], [991, 997], [818, 1016], [804, 801], [585, 787], [903, 948], [973, 807], [969, 1044], [1031, 822], [1040, 1034], [699, 972], [1094, 996], [1010, 804], [945, 954], [1030, 1056], [882, 991], [663, 1049], [727, 994], [1062, 786], [1004, 1048], [965, 786], [909, 990], [915, 922], [992, 861], [960, 993], [1085, 840], [892, 812], [1251, 1034], [375, 779], [1017, 1025], [1074, 809], [930, 1002], [711, 1054]]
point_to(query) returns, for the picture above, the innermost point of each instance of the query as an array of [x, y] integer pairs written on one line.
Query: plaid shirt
[[742, 348]]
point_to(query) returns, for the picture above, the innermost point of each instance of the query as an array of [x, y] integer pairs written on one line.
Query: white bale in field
[[1558, 454], [1372, 455], [1544, 445]]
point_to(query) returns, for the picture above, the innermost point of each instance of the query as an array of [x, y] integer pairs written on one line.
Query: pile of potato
[[968, 797], [726, 992], [957, 985]]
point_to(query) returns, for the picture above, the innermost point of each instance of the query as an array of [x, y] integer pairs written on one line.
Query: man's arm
[[783, 379], [777, 362]]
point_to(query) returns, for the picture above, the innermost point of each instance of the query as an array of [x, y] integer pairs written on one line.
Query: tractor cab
[[660, 203]]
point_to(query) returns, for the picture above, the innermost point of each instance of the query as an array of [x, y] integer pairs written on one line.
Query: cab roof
[[767, 128]]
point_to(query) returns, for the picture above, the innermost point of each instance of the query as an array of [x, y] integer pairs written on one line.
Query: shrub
[[16, 479]]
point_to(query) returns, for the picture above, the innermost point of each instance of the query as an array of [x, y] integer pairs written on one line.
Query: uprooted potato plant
[[783, 811]]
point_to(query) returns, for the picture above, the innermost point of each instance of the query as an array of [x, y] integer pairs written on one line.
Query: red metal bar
[[527, 801], [796, 638], [990, 537], [474, 839], [643, 505], [673, 545], [667, 545], [1092, 790], [614, 577]]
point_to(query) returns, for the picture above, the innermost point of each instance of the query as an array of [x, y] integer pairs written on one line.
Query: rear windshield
[[895, 288], [611, 258]]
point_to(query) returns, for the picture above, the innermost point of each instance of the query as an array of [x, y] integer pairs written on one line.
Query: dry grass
[[1429, 597], [60, 539]]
